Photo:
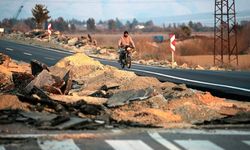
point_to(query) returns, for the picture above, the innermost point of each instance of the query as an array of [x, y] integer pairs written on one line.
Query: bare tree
[[40, 15]]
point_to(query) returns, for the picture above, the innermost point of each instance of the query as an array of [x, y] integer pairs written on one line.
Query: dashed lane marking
[[157, 137], [9, 49], [198, 145], [49, 58], [2, 147], [246, 142], [27, 54], [128, 145], [68, 144]]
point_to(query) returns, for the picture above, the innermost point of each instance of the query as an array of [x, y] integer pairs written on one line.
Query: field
[[197, 50], [207, 61]]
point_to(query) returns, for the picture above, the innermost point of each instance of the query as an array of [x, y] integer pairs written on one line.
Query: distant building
[[139, 27]]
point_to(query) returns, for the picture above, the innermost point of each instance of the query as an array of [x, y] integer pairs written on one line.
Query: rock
[[174, 65], [52, 89], [21, 80], [37, 67], [124, 97], [178, 91], [72, 41], [67, 87], [58, 71], [71, 123], [198, 67], [184, 66], [44, 78], [37, 116], [102, 51]]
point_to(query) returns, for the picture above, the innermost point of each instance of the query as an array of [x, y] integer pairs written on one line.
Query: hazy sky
[[123, 9]]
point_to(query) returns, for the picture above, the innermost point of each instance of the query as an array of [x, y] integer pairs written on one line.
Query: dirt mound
[[12, 102], [77, 60], [141, 82]]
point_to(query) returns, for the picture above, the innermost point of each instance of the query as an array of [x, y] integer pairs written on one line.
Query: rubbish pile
[[81, 93]]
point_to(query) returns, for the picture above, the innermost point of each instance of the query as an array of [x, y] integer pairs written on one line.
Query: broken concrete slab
[[107, 87], [124, 97], [38, 116], [37, 67], [52, 90], [74, 121], [178, 91], [44, 78], [58, 71], [21, 80], [67, 87]]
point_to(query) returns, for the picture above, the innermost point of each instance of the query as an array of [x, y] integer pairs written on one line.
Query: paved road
[[147, 140], [235, 85]]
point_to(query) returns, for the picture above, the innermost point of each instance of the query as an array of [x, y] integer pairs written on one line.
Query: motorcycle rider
[[125, 42]]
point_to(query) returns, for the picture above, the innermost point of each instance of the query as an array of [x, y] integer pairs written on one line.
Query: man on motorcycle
[[124, 43]]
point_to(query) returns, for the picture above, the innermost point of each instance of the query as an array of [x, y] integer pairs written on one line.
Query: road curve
[[229, 84]]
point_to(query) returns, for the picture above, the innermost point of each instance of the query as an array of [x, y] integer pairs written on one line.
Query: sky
[[160, 11]]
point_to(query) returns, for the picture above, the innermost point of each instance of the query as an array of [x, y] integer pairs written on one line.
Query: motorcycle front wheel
[[129, 62]]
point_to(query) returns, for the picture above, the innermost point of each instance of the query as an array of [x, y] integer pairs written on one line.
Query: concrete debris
[[80, 93], [44, 78], [124, 97], [37, 67], [73, 41], [178, 91], [21, 80]]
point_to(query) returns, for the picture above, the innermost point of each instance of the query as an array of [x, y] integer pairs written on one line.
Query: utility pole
[[225, 32]]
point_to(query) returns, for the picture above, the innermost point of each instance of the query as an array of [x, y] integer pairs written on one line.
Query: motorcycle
[[125, 57]]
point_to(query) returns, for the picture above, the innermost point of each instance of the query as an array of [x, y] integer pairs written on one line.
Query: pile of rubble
[[80, 93], [57, 38]]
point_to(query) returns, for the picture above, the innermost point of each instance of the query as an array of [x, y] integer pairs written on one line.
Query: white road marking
[[117, 131], [68, 144], [194, 81], [9, 49], [206, 132], [128, 145], [2, 147], [53, 135], [49, 58], [27, 54], [157, 137], [50, 49], [246, 142], [198, 145]]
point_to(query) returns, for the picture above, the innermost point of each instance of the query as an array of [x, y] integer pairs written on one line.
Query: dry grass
[[193, 51], [207, 61]]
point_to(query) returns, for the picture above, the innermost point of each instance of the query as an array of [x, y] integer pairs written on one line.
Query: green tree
[[40, 15], [91, 24], [149, 23], [119, 24], [111, 24]]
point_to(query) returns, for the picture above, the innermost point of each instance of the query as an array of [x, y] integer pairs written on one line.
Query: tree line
[[41, 18]]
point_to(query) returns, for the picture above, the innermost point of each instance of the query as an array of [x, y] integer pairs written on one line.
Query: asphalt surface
[[132, 140], [229, 84]]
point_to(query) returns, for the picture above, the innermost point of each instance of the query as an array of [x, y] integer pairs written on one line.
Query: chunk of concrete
[[124, 97], [37, 67], [44, 78]]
